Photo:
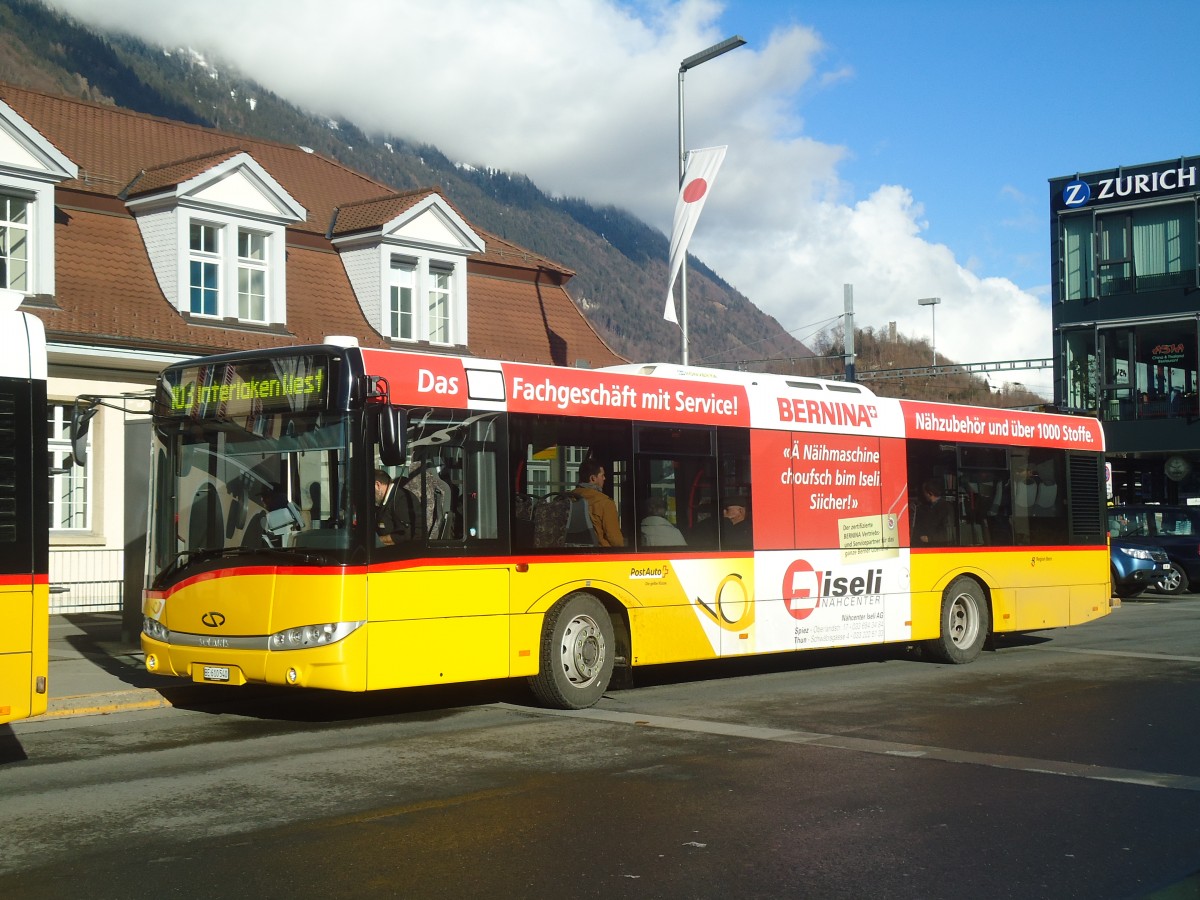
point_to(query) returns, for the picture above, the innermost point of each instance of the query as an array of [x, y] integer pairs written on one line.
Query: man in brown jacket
[[601, 507]]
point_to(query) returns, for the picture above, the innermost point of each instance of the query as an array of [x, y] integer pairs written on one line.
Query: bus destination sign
[[249, 388]]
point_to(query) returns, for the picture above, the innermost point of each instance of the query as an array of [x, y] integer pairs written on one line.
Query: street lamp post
[[690, 63], [932, 303]]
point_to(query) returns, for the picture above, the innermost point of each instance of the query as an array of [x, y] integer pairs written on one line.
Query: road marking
[[881, 747]]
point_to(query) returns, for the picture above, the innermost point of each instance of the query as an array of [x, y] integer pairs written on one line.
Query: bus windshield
[[268, 485]]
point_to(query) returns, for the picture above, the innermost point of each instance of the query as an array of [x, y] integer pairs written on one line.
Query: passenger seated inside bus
[[933, 518], [735, 523], [393, 510], [656, 528]]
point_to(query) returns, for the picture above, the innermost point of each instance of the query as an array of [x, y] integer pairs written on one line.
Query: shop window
[[1150, 371]]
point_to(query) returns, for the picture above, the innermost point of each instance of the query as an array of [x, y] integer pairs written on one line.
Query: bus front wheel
[[576, 661], [964, 624]]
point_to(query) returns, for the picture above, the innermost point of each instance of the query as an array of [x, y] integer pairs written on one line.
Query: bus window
[[933, 494], [546, 455], [675, 477], [450, 479], [985, 496], [733, 450], [1039, 503]]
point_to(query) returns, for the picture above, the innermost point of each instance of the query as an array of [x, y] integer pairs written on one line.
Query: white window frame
[[252, 268], [71, 489], [232, 302], [10, 227], [439, 320], [207, 258], [437, 312], [401, 312]]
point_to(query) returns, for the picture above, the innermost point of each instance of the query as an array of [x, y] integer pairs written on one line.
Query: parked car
[[1136, 566], [1175, 529]]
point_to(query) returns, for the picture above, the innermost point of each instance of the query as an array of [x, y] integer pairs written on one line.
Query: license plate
[[216, 673]]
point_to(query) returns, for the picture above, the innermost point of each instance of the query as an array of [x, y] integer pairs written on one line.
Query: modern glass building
[[1126, 313]]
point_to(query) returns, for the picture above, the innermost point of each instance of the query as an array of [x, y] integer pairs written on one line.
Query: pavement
[[97, 668]]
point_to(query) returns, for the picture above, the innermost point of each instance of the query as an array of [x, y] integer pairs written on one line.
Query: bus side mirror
[[393, 435], [81, 417]]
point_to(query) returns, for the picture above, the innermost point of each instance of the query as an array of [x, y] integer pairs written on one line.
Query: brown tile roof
[[107, 293], [376, 212], [112, 146], [157, 178]]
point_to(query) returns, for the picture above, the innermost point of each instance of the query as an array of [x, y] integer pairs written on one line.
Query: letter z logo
[[1076, 193]]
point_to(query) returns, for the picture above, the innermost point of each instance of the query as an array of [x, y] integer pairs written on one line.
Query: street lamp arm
[[714, 51]]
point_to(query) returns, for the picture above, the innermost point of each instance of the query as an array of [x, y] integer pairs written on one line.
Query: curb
[[104, 703]]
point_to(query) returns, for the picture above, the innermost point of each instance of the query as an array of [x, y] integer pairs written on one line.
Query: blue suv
[[1174, 529], [1137, 562]]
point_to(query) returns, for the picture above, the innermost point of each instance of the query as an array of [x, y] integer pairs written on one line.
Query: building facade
[[1126, 314], [140, 241]]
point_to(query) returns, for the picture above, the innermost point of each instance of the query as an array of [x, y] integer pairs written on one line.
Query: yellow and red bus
[[265, 565], [24, 514]]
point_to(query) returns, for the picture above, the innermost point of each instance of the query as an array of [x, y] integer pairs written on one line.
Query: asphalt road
[[1061, 764]]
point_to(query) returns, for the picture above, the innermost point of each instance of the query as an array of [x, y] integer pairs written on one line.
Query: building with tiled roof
[[139, 241]]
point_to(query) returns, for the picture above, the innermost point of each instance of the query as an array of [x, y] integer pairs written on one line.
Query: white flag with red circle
[[699, 175]]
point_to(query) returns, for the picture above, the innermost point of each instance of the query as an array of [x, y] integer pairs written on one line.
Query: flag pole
[[683, 323], [690, 63]]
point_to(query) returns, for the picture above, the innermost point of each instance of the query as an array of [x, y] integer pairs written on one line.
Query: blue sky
[[904, 147], [974, 106]]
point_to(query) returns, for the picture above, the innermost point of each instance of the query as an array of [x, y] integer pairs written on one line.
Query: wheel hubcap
[[582, 650], [964, 623]]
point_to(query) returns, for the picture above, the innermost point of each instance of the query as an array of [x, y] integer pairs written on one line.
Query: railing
[[86, 580]]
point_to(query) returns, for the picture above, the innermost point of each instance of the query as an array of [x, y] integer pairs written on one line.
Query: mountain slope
[[620, 262]]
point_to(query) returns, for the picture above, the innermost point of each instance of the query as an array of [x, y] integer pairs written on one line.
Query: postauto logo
[[806, 588]]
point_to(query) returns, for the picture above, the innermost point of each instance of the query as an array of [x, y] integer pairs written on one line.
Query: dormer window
[[204, 265], [14, 243], [253, 271], [401, 323], [407, 320], [439, 304], [242, 296], [30, 167], [229, 221], [406, 256]]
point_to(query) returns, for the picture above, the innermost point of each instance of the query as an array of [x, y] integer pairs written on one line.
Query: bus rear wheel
[[576, 660], [964, 623]]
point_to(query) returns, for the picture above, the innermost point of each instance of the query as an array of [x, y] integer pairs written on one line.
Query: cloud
[[582, 97]]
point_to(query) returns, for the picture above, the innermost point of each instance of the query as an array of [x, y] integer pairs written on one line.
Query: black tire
[[576, 660], [1175, 581], [965, 623]]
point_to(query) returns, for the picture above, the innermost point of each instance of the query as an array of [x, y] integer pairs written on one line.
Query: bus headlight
[[305, 636], [156, 630]]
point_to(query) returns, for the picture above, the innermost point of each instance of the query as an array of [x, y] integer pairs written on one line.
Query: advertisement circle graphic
[[733, 603], [801, 590]]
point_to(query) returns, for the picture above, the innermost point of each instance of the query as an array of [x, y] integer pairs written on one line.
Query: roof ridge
[[112, 108]]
